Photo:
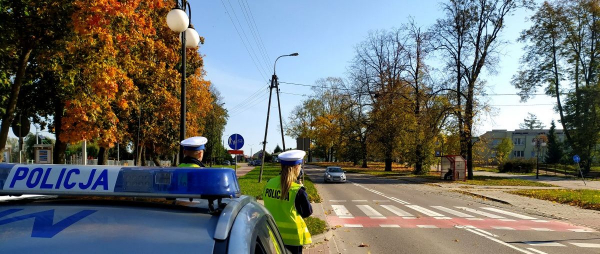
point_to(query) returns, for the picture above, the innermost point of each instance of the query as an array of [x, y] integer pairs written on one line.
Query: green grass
[[501, 181], [251, 187], [589, 199], [315, 225]]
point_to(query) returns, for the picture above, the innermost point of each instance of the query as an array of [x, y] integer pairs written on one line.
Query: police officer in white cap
[[287, 201], [193, 151]]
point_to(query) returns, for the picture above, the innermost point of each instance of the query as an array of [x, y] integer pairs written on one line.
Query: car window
[[274, 241], [335, 170]]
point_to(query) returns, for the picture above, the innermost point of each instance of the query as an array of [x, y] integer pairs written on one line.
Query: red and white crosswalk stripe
[[422, 217]]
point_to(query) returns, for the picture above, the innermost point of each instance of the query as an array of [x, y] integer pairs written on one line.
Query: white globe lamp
[[177, 20]]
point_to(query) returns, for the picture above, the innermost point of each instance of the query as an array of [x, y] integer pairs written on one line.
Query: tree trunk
[[388, 164], [9, 115], [138, 155], [419, 164], [103, 156], [364, 155], [60, 147]]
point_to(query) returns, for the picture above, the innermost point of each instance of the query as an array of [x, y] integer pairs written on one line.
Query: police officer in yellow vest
[[288, 202], [193, 151]]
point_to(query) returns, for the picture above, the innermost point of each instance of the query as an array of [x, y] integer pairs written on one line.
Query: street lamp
[[180, 22], [538, 142], [274, 84]]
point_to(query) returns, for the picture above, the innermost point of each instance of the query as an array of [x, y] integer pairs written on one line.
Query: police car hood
[[77, 225]]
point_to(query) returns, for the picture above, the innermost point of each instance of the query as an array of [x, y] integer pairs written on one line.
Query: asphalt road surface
[[378, 215]]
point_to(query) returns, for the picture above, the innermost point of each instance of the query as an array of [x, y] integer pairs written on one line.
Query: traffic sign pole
[[576, 159], [236, 142]]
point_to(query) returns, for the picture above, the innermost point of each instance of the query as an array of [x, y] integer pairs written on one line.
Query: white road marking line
[[489, 215], [425, 211], [581, 230], [381, 201], [587, 245], [503, 228], [427, 226], [337, 200], [483, 231], [397, 211], [545, 244], [537, 251], [442, 218], [409, 218], [506, 220], [474, 219], [362, 200], [369, 211], [341, 211], [399, 201], [457, 213], [498, 241], [389, 226], [542, 229], [516, 215], [353, 225], [539, 220]]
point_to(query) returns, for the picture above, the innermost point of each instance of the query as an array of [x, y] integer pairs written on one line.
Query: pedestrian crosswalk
[[394, 215], [374, 211]]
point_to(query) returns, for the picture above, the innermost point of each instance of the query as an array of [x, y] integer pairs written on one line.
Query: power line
[[249, 102], [348, 89], [254, 31], [260, 70]]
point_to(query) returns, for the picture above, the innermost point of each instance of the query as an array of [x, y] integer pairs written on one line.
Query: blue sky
[[324, 33], [239, 60]]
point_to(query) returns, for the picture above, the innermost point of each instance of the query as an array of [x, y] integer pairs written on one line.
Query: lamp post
[[274, 84], [179, 22], [538, 143]]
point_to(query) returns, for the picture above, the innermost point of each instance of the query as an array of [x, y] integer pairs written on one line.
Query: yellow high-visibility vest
[[291, 225], [188, 165]]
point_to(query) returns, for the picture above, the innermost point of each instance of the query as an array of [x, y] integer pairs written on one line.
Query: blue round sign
[[236, 141], [576, 158]]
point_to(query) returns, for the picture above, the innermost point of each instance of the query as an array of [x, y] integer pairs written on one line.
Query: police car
[[112, 209]]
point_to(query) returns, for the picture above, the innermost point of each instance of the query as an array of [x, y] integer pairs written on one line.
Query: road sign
[[236, 141], [438, 154], [235, 151], [576, 158], [20, 126]]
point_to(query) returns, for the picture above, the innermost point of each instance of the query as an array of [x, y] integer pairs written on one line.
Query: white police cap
[[291, 157], [194, 143]]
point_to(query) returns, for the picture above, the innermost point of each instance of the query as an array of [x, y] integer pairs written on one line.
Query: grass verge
[[315, 225], [251, 187], [588, 199], [501, 181]]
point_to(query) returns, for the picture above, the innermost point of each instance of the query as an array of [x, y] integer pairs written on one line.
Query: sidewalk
[[573, 214], [569, 183]]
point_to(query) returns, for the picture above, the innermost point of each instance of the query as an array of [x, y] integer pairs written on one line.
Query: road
[[378, 215]]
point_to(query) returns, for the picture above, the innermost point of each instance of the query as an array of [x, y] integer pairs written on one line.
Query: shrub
[[517, 166]]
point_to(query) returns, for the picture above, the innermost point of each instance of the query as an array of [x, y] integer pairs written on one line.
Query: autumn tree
[[468, 37], [214, 126], [29, 29], [561, 57]]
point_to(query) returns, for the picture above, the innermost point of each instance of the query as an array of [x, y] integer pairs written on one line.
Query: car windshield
[[335, 170]]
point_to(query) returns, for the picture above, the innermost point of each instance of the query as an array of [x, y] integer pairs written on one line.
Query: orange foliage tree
[[126, 80]]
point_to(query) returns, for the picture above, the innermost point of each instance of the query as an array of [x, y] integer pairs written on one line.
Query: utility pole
[[274, 84]]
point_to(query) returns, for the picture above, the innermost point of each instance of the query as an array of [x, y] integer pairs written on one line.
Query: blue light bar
[[102, 180]]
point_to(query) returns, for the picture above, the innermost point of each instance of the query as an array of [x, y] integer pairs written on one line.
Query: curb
[[482, 196], [320, 238]]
